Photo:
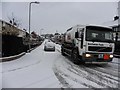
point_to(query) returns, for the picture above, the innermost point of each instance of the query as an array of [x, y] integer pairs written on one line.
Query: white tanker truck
[[88, 43]]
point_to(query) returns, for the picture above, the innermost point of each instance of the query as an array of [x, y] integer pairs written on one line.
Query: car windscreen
[[50, 43]]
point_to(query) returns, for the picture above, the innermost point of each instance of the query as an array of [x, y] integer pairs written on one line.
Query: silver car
[[49, 46]]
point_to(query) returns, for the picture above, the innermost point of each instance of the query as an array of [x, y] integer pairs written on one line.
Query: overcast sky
[[59, 16]]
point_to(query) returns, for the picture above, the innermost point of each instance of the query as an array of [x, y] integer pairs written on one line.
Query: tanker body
[[88, 43]]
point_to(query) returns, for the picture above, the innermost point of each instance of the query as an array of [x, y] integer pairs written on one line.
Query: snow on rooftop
[[99, 25], [111, 23]]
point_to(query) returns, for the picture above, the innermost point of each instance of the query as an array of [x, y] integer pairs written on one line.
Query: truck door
[[81, 36], [80, 40]]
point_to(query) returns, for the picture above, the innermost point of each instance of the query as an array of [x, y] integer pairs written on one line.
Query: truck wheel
[[62, 52], [75, 57]]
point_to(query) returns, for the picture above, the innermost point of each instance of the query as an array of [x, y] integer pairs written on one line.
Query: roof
[[111, 23], [105, 26]]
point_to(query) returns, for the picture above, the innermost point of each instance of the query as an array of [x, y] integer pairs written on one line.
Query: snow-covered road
[[85, 76], [33, 70], [40, 69]]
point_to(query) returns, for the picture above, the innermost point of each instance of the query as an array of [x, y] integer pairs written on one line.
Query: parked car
[[49, 46]]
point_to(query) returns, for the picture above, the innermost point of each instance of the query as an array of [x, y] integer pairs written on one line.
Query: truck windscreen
[[99, 34]]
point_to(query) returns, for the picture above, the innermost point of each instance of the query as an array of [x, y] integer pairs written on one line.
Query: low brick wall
[[12, 45]]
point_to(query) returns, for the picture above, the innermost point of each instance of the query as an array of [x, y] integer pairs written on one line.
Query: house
[[115, 24]]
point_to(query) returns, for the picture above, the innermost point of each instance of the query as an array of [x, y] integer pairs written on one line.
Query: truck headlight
[[111, 56], [88, 55]]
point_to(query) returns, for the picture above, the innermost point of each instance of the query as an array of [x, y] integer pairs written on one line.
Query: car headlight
[[111, 56], [88, 55]]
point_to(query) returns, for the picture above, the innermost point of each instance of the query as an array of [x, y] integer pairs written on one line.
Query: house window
[[117, 28]]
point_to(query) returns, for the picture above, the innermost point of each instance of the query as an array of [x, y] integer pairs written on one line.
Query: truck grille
[[100, 49]]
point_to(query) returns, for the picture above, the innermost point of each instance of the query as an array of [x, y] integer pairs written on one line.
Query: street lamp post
[[30, 20]]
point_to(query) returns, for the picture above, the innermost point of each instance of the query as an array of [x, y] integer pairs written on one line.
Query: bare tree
[[14, 21]]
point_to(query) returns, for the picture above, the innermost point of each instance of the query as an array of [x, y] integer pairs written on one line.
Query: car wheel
[[44, 48]]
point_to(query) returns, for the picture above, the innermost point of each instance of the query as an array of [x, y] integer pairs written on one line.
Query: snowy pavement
[[40, 69]]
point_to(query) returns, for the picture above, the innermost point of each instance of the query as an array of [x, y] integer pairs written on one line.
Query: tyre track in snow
[[96, 71], [110, 71], [97, 74], [61, 79], [102, 69], [65, 78], [103, 79], [115, 63]]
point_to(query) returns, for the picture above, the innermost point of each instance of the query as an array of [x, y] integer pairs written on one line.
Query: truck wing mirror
[[76, 35]]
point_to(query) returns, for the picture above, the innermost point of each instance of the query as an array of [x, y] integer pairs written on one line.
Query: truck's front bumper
[[97, 57]]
